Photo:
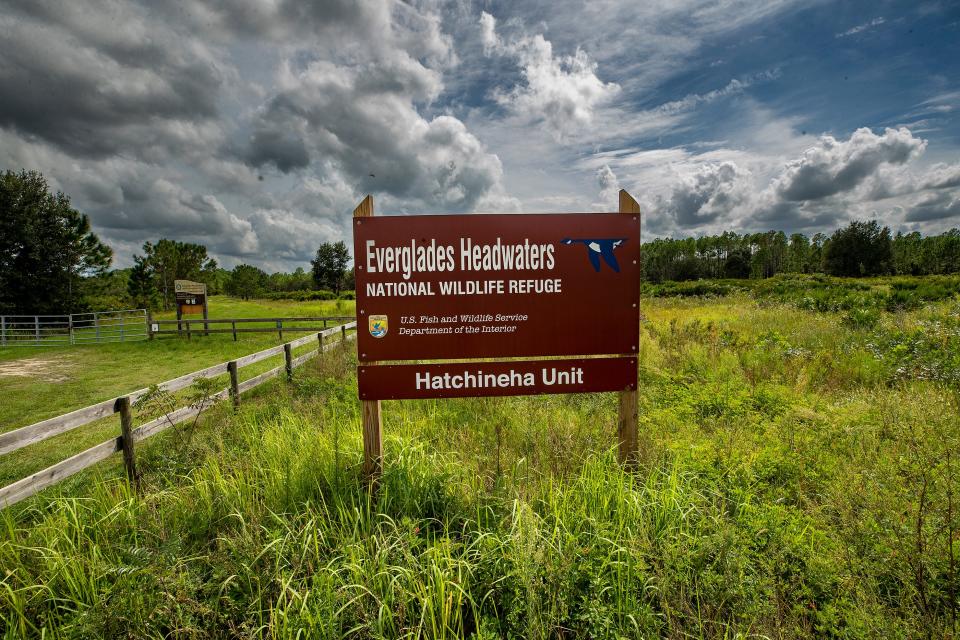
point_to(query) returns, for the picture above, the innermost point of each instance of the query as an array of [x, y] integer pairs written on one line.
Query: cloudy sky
[[255, 126]]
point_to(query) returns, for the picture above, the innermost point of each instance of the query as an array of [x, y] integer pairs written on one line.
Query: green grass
[[797, 479], [72, 377], [227, 307]]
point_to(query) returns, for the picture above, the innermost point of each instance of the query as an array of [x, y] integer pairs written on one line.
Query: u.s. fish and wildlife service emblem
[[378, 326]]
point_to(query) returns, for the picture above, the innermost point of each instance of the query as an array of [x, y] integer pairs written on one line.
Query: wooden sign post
[[370, 409], [628, 418], [191, 298], [461, 288]]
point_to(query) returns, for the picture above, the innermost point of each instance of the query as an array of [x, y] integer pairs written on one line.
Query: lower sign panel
[[516, 378]]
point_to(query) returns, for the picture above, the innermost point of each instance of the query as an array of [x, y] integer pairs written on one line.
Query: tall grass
[[791, 485]]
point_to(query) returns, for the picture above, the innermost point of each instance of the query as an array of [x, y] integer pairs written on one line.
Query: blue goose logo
[[599, 248]]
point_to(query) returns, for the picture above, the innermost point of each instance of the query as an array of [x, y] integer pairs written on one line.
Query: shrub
[[817, 293], [689, 289], [301, 296], [903, 300], [862, 318]]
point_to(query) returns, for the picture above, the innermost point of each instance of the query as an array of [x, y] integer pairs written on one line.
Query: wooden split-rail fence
[[130, 435]]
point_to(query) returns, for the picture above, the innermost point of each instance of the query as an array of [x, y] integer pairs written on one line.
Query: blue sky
[[255, 127]]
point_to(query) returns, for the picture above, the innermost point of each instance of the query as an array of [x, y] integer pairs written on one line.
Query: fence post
[[234, 384], [288, 360], [3, 330], [343, 334], [188, 328], [320, 340], [280, 329], [324, 323], [96, 324], [121, 326], [126, 438], [149, 325], [234, 325], [36, 328]]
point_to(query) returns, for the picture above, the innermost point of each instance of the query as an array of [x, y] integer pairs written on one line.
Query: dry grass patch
[[48, 369]]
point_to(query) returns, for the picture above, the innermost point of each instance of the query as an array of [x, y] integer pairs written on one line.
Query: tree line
[[150, 280], [862, 248]]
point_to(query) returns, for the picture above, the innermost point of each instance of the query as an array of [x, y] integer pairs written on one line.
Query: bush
[[688, 289], [929, 352], [818, 293], [304, 296], [301, 296], [903, 300], [906, 294], [862, 318], [825, 294]]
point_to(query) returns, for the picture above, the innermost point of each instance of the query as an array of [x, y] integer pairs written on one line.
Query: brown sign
[[191, 297], [468, 286], [189, 293], [517, 378], [188, 287]]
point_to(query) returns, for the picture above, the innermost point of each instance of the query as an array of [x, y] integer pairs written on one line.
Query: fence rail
[[137, 324], [76, 328], [18, 438], [189, 327]]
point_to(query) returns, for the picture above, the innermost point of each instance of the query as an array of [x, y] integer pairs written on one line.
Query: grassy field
[[41, 382], [798, 478]]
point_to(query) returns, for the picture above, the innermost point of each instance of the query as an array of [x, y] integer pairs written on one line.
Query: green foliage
[[862, 318], [862, 248], [46, 248], [141, 286], [247, 281], [913, 293], [914, 254], [818, 293], [859, 249], [330, 266], [301, 295], [729, 255], [216, 279], [305, 296], [827, 294], [299, 280], [737, 264], [107, 291], [687, 289], [160, 403], [170, 260], [930, 351]]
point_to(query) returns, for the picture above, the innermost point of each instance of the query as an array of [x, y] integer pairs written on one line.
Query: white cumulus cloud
[[832, 166], [559, 91]]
